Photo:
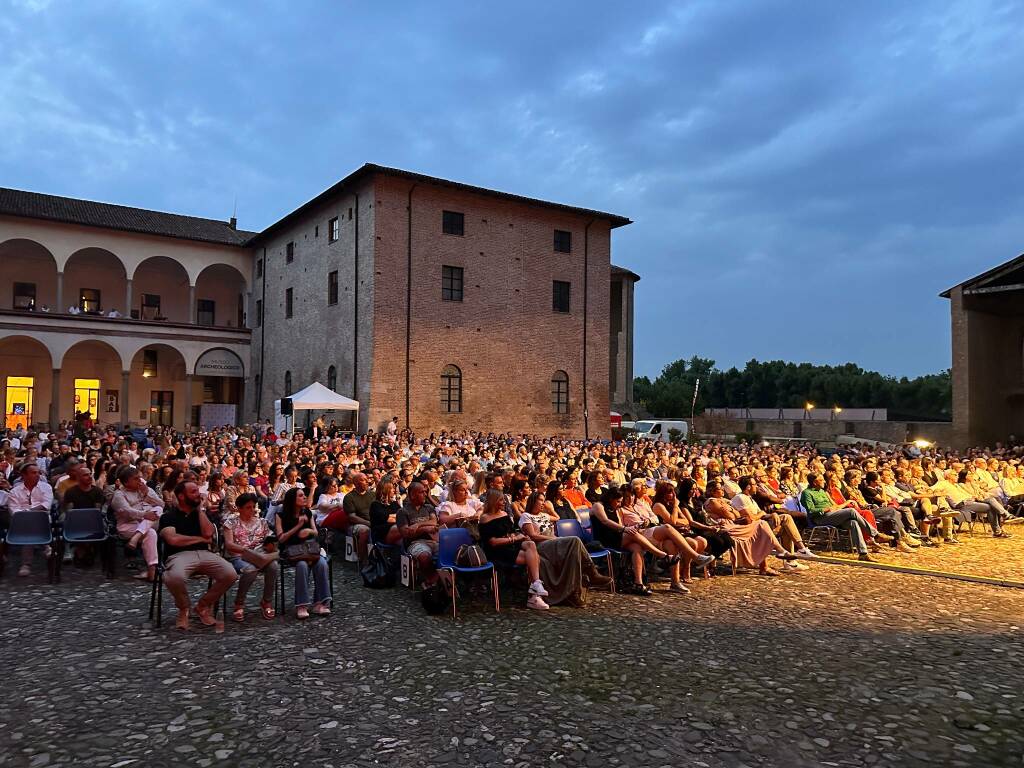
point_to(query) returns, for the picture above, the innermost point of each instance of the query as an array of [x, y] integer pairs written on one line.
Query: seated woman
[[213, 499], [505, 547], [294, 525], [555, 503], [245, 541], [383, 513], [564, 561], [331, 500], [753, 541], [460, 510], [690, 517], [613, 533]]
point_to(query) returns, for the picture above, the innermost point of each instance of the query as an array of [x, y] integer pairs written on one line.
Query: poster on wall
[[113, 395], [213, 415]]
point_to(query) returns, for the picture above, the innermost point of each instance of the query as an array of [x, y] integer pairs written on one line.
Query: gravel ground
[[834, 666]]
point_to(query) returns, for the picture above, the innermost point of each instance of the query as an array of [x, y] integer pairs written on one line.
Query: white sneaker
[[805, 552], [536, 602], [793, 565], [537, 588], [24, 570]]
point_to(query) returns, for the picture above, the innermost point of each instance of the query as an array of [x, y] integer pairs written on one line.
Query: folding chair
[[565, 528], [449, 541], [87, 525], [35, 528], [156, 597]]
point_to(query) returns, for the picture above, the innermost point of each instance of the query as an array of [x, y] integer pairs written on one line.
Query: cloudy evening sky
[[804, 177]]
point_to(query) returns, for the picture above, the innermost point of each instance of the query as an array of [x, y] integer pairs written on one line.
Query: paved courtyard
[[836, 666]]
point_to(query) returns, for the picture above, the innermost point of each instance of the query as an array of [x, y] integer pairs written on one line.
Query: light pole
[[808, 407]]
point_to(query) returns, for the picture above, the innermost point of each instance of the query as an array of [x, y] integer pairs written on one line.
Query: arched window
[[560, 392], [451, 389], [332, 378], [287, 383]]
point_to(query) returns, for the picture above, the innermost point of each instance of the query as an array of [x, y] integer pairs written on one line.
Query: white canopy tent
[[315, 397]]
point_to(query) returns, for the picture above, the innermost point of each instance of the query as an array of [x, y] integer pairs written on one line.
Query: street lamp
[[836, 410], [808, 407]]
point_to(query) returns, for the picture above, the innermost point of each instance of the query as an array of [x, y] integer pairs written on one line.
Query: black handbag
[[379, 571]]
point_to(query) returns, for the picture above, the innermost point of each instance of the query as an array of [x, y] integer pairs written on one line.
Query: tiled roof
[[617, 270], [372, 168], [68, 210]]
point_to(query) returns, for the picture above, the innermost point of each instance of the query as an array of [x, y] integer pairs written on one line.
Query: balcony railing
[[97, 322]]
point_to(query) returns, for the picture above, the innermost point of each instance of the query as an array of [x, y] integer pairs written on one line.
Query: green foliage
[[778, 384]]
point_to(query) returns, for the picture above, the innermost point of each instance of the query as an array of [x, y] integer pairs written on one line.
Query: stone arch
[[95, 272], [226, 287], [26, 364], [161, 289], [29, 263]]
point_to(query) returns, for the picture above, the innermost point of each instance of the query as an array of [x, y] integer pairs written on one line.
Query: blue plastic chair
[[449, 541], [34, 528], [583, 513], [87, 526], [566, 528]]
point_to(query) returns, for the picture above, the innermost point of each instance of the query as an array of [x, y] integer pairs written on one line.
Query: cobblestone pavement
[[834, 666]]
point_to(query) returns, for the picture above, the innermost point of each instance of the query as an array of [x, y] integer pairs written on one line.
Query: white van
[[659, 429]]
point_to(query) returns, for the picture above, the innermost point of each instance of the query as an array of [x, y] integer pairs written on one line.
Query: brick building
[[448, 305], [987, 318]]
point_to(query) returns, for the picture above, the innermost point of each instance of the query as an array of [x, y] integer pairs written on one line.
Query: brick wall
[[826, 431], [503, 336]]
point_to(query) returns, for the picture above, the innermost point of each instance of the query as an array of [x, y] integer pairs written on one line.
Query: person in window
[[295, 524], [245, 541], [505, 547]]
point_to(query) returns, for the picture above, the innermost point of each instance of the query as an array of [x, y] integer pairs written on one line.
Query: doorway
[[87, 397], [161, 408], [18, 408]]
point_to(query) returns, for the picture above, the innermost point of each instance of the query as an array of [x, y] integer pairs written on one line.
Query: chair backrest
[[566, 528], [583, 514], [30, 527], [85, 523], [448, 543], [791, 504]]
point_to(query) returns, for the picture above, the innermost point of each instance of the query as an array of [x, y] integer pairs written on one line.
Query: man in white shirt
[[31, 494]]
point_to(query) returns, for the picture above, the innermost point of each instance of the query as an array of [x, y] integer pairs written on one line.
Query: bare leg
[[631, 537], [528, 556]]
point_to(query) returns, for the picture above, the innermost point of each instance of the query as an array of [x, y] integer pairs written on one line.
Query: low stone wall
[[940, 432]]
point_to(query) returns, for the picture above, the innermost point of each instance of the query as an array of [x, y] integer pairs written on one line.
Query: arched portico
[[28, 277], [221, 297], [26, 380], [95, 282], [160, 289], [157, 387], [87, 379]]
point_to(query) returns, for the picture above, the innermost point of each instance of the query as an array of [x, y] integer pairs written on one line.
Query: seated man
[[81, 495], [961, 497], [417, 522], [357, 508], [32, 493], [187, 534], [782, 525], [137, 508], [822, 511], [884, 508]]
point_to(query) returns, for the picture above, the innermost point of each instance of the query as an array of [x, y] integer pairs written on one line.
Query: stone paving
[[834, 666]]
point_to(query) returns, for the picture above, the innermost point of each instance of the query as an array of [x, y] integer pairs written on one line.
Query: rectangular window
[[87, 397], [563, 241], [453, 223], [259, 268], [259, 313], [161, 408], [560, 295], [149, 363], [332, 287], [316, 231], [289, 253], [451, 283], [25, 296], [333, 230], [18, 411], [149, 309], [350, 214], [288, 302], [206, 312], [89, 300]]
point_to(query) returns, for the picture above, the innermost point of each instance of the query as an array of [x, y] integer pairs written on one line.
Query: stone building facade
[[447, 306], [450, 306], [987, 322]]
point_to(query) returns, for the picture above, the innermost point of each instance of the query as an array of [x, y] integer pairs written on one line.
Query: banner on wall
[[213, 415], [220, 362], [113, 396]]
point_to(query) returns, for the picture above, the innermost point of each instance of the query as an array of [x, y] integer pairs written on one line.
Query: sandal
[[238, 614], [268, 611]]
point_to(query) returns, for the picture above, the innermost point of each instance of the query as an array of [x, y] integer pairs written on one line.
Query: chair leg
[[451, 573], [494, 586]]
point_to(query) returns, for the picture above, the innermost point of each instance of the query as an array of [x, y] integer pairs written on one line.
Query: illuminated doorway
[[18, 409], [87, 397], [161, 408]]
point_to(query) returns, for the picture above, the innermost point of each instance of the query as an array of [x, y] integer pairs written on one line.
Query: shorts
[[358, 529], [422, 547]]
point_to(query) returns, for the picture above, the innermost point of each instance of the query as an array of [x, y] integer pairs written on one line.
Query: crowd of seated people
[[234, 503]]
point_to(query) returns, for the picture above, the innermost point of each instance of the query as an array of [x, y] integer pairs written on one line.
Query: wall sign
[[113, 395], [220, 362]]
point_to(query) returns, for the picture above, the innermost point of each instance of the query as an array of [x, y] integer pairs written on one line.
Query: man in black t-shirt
[[81, 495], [187, 534]]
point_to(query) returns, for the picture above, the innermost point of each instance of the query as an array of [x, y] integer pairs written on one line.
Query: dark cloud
[[804, 177]]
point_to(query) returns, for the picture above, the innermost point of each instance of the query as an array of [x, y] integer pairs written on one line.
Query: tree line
[[778, 384]]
